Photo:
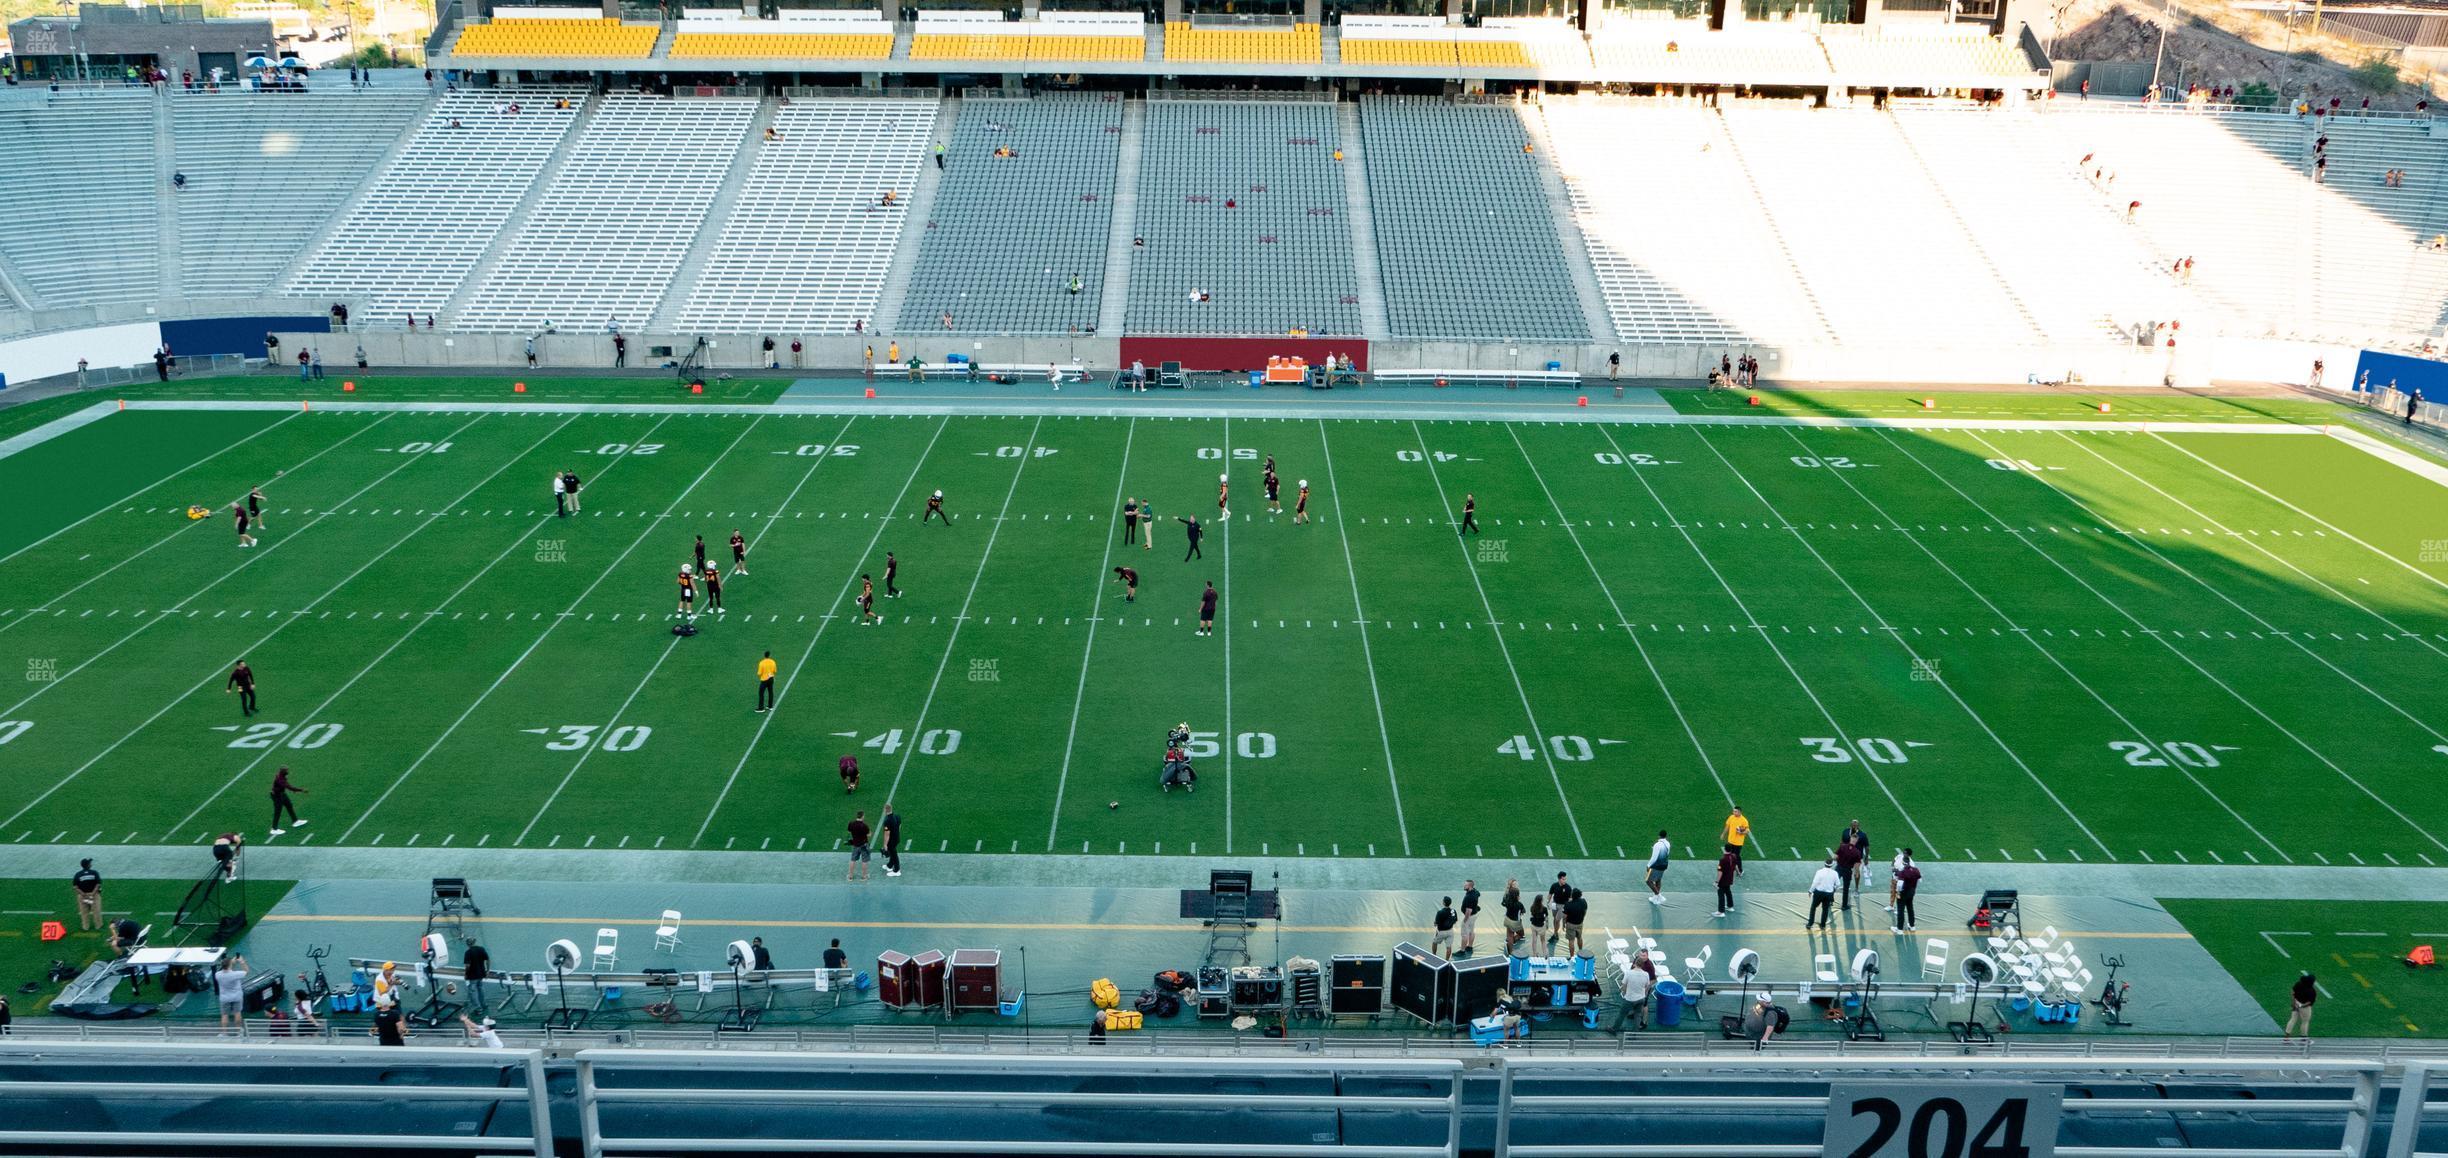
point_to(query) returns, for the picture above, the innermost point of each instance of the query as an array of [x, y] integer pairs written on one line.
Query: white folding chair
[[607, 948], [2041, 943], [2076, 985], [667, 934], [1823, 967], [1695, 969], [1646, 942], [1934, 959]]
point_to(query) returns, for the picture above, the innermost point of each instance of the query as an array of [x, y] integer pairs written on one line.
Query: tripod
[[435, 1011], [740, 1018]]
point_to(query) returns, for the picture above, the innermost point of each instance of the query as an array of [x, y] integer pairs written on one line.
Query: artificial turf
[[2355, 951], [2027, 644], [25, 958]]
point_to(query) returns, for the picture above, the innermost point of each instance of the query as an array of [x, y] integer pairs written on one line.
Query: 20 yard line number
[[2161, 753], [305, 737]]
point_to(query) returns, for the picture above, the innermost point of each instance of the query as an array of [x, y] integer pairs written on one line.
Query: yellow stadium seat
[[591, 38], [1061, 48], [1415, 53], [1295, 45], [968, 46], [780, 46], [1488, 54]]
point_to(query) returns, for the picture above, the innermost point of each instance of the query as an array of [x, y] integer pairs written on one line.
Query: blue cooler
[[1666, 1004]]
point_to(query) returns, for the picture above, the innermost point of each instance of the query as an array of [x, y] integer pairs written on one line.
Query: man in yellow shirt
[[1737, 834], [765, 675]]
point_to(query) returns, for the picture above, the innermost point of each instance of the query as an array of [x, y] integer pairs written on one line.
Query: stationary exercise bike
[[320, 986], [2113, 993]]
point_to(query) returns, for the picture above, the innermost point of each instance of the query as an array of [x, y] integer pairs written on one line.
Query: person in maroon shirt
[[739, 553], [1207, 604], [242, 681], [1728, 864], [1130, 584], [849, 774], [859, 850], [281, 788]]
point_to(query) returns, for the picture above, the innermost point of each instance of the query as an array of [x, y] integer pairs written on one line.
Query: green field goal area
[[2014, 641], [2356, 952]]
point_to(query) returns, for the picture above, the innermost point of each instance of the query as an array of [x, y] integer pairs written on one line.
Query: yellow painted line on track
[[1047, 926]]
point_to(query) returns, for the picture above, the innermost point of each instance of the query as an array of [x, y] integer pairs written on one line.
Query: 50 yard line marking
[[1367, 657], [1682, 528], [1028, 445], [1224, 531], [615, 718], [782, 693], [139, 492], [220, 671], [1654, 674], [1497, 629], [252, 557], [1096, 612], [413, 628], [1910, 652], [549, 626]]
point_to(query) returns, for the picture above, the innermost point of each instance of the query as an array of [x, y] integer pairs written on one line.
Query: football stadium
[[1227, 578]]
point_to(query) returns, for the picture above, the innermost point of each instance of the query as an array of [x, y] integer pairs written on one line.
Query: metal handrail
[[595, 1143], [146, 1062]]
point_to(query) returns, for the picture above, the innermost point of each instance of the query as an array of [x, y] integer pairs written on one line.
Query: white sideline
[[56, 427]]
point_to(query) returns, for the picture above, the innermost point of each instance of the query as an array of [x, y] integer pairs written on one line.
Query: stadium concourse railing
[[628, 1100], [124, 1095]]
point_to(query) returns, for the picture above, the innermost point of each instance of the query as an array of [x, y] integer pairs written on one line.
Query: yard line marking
[[1676, 706], [1468, 564], [1224, 531], [2426, 576], [651, 669], [251, 558], [2324, 661], [1096, 612], [220, 672], [1914, 653], [419, 625], [1744, 608], [823, 622], [140, 491], [953, 641], [556, 622], [2133, 729], [2254, 708]]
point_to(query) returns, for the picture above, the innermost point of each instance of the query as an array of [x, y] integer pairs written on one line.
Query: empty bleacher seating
[[610, 231], [1676, 236], [607, 38], [1297, 44], [779, 40], [1243, 200], [266, 171], [1884, 253], [435, 209], [1466, 241], [1944, 56], [1008, 233], [1686, 52], [81, 189], [807, 243]]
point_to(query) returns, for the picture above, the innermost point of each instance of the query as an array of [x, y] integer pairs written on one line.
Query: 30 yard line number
[[1610, 458], [576, 737], [1870, 749]]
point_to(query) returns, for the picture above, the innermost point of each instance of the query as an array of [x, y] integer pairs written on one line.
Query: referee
[[765, 677]]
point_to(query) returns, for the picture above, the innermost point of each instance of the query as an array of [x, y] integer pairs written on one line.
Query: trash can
[[1667, 1002]]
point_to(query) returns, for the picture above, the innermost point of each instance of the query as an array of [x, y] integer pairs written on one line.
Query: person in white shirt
[[1824, 884], [1635, 1008], [301, 1015], [1657, 868], [481, 1033], [229, 986], [1894, 867]]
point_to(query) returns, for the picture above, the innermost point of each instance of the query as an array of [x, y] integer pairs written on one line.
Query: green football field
[[2355, 951], [2113, 643]]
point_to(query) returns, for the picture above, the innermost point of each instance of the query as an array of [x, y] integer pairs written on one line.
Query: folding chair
[[1695, 969], [607, 949], [1934, 958], [1823, 968], [667, 935], [2041, 943]]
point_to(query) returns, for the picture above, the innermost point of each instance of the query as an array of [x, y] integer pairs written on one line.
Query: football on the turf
[[1115, 806]]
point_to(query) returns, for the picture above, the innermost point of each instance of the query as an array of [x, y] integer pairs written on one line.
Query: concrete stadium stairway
[[895, 290], [709, 232], [1375, 325], [1114, 306]]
